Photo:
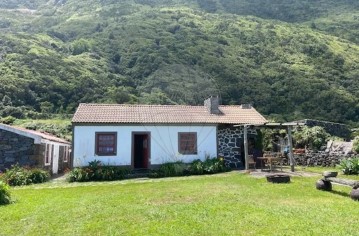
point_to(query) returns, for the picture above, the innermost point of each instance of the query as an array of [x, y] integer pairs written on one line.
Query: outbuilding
[[33, 149]]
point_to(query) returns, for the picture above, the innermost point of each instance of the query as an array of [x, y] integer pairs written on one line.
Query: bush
[[214, 165], [97, 172], [350, 166], [8, 120], [311, 137], [38, 176], [170, 169], [5, 197], [79, 175], [209, 166], [197, 167], [356, 144], [17, 176]]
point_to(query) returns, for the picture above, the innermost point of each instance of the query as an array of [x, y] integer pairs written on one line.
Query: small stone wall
[[321, 158], [15, 148], [230, 145]]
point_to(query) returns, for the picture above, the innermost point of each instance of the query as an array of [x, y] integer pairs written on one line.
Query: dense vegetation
[[292, 59], [5, 196], [97, 171], [350, 166], [17, 176]]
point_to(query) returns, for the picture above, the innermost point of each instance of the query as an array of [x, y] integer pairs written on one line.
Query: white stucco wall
[[54, 158], [164, 143]]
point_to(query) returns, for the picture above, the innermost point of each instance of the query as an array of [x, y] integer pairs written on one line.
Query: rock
[[330, 173], [323, 185], [354, 194]]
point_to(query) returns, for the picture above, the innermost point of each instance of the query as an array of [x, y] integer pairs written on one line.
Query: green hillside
[[292, 59]]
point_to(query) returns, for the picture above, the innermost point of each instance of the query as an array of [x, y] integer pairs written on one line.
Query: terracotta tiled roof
[[33, 133], [164, 114]]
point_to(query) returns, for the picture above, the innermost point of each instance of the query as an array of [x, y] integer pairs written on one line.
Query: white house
[[144, 136]]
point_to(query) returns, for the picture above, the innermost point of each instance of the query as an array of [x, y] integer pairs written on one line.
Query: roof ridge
[[139, 105], [164, 114]]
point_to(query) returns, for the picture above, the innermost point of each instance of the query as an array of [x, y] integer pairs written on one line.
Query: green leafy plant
[[213, 165], [350, 166], [95, 164], [311, 137], [17, 176], [170, 169], [197, 167], [8, 120], [79, 175], [5, 197], [356, 144], [97, 172], [38, 176]]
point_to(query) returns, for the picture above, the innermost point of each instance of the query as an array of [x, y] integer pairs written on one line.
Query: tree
[[311, 137]]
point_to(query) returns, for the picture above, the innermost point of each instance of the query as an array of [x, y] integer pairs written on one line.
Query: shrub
[[350, 166], [8, 120], [214, 165], [209, 166], [170, 169], [79, 175], [356, 144], [5, 197], [197, 167], [110, 173], [38, 176], [17, 176], [311, 137], [97, 172]]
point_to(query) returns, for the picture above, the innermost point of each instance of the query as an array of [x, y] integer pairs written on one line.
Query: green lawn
[[223, 204]]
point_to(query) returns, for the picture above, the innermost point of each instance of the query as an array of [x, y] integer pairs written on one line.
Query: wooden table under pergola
[[288, 126]]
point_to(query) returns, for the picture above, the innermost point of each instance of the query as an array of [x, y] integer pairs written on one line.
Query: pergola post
[[245, 140], [290, 153]]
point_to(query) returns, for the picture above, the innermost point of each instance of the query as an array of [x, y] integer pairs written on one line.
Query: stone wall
[[321, 158], [230, 145], [15, 148]]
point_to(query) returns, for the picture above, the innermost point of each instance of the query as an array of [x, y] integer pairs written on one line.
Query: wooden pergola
[[287, 125]]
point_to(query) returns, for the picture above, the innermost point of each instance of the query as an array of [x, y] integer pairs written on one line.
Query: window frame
[[66, 154], [180, 140], [97, 135], [49, 152]]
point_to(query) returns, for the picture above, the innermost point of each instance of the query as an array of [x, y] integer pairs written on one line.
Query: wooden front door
[[141, 150]]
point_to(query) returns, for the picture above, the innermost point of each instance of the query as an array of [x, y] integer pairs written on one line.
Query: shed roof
[[36, 135], [164, 114]]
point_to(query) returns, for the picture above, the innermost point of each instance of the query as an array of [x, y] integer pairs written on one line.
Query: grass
[[58, 126], [223, 204]]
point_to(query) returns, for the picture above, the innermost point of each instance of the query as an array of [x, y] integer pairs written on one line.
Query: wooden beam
[[294, 124], [290, 143], [245, 140], [349, 182]]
